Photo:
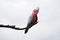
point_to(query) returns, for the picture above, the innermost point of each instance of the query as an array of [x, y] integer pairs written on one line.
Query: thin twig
[[12, 27]]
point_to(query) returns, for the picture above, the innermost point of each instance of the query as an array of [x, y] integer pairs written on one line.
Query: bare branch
[[12, 27]]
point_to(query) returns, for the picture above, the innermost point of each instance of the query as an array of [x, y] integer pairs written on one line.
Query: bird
[[32, 19]]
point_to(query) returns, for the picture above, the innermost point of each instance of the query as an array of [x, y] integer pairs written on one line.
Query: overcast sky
[[17, 12]]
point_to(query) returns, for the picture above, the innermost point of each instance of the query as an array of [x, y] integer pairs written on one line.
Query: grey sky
[[16, 12]]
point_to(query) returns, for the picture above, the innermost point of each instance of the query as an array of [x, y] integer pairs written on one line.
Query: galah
[[32, 19]]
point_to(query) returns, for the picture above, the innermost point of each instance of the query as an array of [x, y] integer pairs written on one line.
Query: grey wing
[[30, 19], [30, 22]]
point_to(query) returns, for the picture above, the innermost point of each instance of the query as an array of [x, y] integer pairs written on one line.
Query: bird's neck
[[34, 14]]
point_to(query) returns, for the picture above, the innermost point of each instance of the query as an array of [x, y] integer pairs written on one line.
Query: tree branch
[[12, 27]]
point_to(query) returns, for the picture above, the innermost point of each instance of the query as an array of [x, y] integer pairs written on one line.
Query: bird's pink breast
[[34, 17]]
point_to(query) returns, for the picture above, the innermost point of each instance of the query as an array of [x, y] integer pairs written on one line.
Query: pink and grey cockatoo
[[32, 19]]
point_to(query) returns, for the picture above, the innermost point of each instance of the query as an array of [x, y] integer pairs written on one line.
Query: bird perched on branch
[[32, 19]]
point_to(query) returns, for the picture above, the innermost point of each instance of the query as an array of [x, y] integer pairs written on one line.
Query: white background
[[17, 12]]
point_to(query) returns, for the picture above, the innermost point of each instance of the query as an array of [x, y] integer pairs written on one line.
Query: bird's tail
[[26, 30]]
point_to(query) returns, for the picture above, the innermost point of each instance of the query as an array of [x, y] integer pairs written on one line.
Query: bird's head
[[36, 10]]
